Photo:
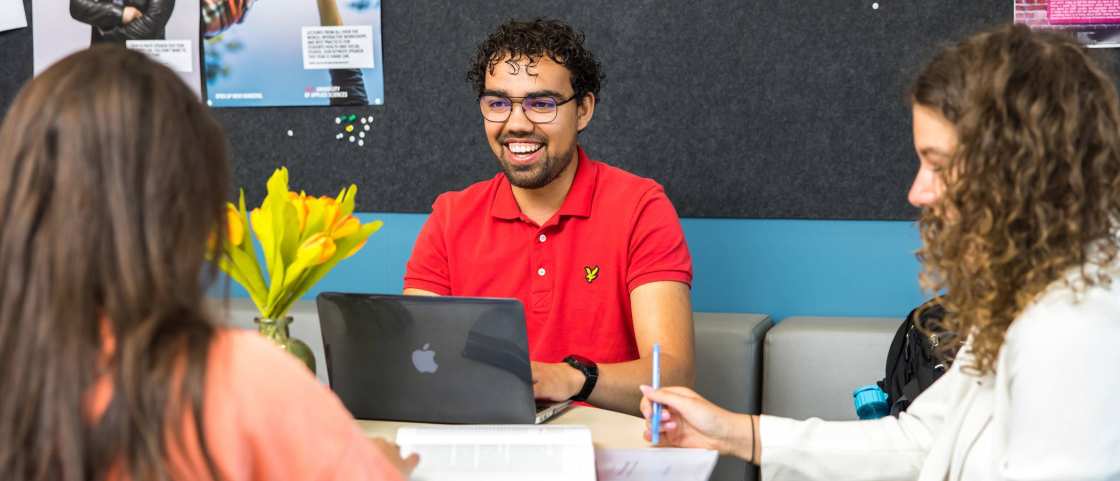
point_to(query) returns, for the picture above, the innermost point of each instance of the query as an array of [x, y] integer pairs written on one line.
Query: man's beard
[[538, 175]]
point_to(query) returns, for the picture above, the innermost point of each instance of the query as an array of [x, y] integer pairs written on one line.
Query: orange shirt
[[267, 418]]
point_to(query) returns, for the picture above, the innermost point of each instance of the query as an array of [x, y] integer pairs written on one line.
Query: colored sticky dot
[[351, 118], [349, 128]]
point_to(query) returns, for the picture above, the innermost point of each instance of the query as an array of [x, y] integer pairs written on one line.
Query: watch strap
[[590, 372]]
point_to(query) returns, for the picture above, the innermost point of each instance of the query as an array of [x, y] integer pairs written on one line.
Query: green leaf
[[290, 295], [227, 266], [284, 223], [316, 219], [346, 201], [289, 241], [245, 257], [250, 273], [276, 287]]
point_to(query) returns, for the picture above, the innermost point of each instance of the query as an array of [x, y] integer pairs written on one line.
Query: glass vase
[[277, 331]]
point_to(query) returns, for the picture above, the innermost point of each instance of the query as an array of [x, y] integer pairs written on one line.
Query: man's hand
[[556, 382], [392, 452], [130, 14]]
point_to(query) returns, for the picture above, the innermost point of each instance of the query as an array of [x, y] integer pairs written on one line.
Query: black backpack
[[913, 361]]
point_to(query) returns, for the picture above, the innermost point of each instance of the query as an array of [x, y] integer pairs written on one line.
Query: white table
[[609, 429]]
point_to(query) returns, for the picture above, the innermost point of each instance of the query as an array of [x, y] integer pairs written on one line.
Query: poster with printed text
[[270, 53], [165, 30], [12, 15], [1096, 23]]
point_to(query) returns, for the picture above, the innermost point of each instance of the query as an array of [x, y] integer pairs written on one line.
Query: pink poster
[[1095, 22], [1062, 12]]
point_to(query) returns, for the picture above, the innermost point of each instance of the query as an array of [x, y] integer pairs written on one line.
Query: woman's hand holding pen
[[690, 421]]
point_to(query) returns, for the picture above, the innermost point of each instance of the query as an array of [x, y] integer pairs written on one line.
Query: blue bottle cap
[[870, 402]]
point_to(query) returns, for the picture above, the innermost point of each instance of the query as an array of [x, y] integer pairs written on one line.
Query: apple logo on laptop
[[424, 359]]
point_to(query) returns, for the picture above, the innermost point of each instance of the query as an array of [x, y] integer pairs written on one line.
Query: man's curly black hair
[[532, 40]]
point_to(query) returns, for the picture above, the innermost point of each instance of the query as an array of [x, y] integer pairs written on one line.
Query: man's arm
[[349, 80], [148, 26], [328, 13], [427, 271], [662, 313], [103, 15]]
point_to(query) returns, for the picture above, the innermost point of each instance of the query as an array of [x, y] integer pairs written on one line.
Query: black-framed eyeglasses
[[538, 109]]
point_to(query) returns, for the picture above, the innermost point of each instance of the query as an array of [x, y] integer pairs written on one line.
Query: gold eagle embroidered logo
[[590, 273]]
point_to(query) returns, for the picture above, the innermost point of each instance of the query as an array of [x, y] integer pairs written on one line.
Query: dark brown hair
[[532, 40], [1033, 191], [112, 177]]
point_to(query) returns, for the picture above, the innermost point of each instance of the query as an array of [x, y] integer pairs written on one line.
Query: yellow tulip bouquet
[[301, 238]]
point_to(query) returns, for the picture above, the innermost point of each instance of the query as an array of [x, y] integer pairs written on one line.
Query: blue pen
[[656, 385]]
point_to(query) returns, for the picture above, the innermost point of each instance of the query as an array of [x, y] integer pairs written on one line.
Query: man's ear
[[584, 111]]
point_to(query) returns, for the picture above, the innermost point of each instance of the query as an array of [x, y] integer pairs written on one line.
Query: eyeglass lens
[[537, 109]]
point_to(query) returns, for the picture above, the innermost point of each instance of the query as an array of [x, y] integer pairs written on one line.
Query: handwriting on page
[[654, 464]]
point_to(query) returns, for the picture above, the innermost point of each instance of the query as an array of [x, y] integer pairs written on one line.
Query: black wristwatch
[[590, 372]]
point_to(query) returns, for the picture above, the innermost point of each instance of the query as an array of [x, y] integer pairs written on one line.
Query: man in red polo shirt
[[595, 254]]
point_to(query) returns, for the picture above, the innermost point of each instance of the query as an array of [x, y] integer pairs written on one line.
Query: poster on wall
[[271, 53], [166, 30], [12, 15], [1096, 23]]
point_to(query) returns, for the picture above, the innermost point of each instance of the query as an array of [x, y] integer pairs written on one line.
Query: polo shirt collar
[[577, 203]]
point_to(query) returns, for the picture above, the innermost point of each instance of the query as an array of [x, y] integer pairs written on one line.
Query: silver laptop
[[430, 359]]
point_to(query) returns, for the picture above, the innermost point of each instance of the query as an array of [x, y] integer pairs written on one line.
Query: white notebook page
[[500, 453]]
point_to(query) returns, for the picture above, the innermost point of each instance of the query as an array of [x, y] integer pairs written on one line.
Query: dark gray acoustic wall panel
[[763, 109]]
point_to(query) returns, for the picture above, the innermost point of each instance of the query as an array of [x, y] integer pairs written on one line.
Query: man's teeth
[[523, 148]]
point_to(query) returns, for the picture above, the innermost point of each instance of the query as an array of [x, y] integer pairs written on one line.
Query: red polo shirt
[[614, 232]]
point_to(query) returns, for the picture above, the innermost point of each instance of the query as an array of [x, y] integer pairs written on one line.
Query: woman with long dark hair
[[113, 177], [1018, 138]]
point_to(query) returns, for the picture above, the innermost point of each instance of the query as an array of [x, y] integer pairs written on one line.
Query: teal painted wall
[[778, 267]]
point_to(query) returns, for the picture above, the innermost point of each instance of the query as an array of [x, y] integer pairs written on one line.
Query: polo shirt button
[[543, 238], [540, 272]]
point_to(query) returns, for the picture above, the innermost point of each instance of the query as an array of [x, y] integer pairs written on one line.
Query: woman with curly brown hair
[[1018, 137]]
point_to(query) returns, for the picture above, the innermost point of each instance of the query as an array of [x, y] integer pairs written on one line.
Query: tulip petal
[[235, 230], [346, 227], [346, 245]]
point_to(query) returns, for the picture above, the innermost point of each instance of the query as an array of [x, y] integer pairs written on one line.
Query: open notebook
[[500, 453]]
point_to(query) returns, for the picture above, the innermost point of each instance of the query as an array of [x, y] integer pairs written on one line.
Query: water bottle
[[871, 402]]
